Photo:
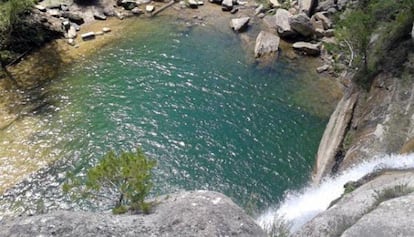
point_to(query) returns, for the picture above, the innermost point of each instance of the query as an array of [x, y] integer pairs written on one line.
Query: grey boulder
[[302, 24]]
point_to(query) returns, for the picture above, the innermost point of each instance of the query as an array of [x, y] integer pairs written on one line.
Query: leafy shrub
[[127, 176]]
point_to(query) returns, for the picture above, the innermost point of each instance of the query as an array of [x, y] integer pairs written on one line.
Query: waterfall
[[299, 207]]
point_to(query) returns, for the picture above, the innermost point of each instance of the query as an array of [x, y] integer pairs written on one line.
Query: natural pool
[[192, 99]]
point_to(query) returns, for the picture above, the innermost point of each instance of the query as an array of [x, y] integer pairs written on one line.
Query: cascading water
[[299, 207]]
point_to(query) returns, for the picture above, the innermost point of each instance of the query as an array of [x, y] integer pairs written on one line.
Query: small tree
[[127, 177], [356, 29]]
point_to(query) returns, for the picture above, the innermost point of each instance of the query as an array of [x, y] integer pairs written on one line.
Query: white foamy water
[[299, 207]]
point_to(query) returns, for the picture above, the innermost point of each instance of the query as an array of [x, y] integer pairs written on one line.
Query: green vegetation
[[372, 30], [127, 177], [10, 16]]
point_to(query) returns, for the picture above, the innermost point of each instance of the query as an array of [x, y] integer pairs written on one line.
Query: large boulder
[[239, 24], [266, 43], [307, 48], [302, 24], [198, 213], [280, 22]]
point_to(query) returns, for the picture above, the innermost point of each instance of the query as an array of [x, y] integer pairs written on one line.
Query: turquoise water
[[193, 100]]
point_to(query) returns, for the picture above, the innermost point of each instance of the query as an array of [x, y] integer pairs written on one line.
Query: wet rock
[[149, 8], [301, 24], [227, 5], [239, 24], [307, 48], [266, 43], [88, 36], [197, 213], [74, 17]]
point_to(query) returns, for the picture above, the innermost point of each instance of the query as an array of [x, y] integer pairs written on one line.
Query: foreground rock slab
[[266, 43], [197, 213]]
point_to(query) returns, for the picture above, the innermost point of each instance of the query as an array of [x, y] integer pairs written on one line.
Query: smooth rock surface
[[197, 213], [266, 43], [239, 24]]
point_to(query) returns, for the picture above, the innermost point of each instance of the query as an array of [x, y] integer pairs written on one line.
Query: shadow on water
[[27, 94]]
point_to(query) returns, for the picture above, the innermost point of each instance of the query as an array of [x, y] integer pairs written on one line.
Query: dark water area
[[193, 100]]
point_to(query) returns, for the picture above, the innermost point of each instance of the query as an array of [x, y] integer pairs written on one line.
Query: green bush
[[128, 176]]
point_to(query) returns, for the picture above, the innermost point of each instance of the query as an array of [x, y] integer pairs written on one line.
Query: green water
[[193, 100]]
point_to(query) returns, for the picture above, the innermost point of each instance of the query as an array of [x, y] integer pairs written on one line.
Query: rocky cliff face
[[198, 213]]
